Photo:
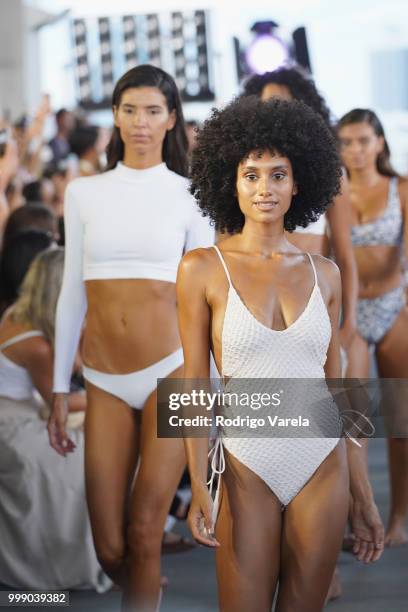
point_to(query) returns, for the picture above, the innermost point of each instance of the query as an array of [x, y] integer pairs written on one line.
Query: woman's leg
[[249, 531], [358, 366], [110, 463], [392, 361], [162, 461], [313, 528]]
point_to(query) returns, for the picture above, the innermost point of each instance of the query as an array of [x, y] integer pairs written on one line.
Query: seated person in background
[[46, 535]]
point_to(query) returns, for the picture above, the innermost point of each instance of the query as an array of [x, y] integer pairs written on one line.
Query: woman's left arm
[[365, 520], [403, 193], [339, 216], [331, 283]]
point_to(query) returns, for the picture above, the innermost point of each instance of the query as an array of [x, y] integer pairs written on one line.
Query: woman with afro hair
[[266, 310]]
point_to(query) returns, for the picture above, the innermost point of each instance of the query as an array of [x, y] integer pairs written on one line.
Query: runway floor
[[376, 588]]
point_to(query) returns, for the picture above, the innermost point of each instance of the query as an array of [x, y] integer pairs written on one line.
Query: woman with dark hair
[[126, 230], [294, 84], [267, 311], [16, 257], [380, 207]]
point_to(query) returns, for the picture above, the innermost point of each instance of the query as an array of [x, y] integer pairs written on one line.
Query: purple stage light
[[266, 53]]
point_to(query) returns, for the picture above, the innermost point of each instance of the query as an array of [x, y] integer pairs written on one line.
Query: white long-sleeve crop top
[[124, 223]]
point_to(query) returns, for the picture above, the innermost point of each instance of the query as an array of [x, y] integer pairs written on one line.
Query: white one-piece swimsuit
[[252, 350]]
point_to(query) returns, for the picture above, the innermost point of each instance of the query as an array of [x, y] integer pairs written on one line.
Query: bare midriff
[[130, 324], [379, 269], [310, 243]]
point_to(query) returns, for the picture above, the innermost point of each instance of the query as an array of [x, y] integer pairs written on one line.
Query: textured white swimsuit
[[252, 350]]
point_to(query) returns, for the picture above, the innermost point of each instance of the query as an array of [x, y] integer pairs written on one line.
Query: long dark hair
[[365, 115], [175, 144]]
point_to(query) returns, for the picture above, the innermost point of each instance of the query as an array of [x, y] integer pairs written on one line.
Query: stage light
[[266, 52]]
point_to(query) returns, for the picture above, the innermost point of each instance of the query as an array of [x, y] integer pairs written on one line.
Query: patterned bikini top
[[387, 230]]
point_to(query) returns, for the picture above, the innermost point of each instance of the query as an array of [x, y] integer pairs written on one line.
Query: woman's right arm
[[194, 324], [71, 309]]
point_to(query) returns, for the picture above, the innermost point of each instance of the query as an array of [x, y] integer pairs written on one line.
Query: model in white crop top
[[125, 223], [126, 231]]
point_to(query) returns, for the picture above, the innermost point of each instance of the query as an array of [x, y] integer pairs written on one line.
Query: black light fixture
[[190, 51], [153, 39], [82, 62], [142, 42], [106, 56], [129, 41]]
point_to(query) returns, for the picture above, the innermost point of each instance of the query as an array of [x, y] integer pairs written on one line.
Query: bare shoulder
[[197, 266], [37, 351], [403, 189], [328, 272], [198, 260]]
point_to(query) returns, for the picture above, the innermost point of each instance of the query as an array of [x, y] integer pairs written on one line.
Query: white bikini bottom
[[135, 388]]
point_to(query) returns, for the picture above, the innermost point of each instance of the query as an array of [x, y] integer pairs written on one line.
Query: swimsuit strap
[[313, 266], [11, 341], [224, 265]]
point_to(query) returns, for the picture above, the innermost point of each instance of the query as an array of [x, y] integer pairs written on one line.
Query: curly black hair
[[299, 83], [291, 129]]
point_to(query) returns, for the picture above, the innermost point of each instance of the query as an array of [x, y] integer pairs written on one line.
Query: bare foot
[[335, 589], [396, 534]]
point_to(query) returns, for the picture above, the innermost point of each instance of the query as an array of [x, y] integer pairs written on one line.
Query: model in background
[[380, 207]]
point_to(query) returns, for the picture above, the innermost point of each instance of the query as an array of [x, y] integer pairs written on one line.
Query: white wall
[[12, 99]]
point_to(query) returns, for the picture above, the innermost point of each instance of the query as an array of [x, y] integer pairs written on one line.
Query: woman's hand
[[367, 529], [200, 516], [57, 425]]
